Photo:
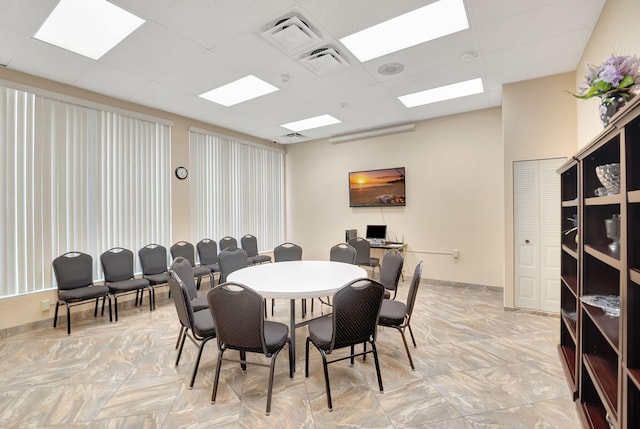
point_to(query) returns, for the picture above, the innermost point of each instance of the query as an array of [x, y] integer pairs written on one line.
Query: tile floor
[[477, 366]]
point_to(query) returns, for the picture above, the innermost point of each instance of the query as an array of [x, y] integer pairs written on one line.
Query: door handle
[[526, 241]]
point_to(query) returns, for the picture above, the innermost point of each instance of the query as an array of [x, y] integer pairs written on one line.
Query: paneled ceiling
[[187, 47]]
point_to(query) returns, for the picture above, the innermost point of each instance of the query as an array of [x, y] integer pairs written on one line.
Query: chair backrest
[[356, 308], [287, 252], [117, 264], [343, 252], [207, 251], [73, 270], [181, 299], [230, 260], [238, 316], [227, 242], [153, 259], [250, 244], [363, 250], [185, 250], [183, 270], [413, 290], [391, 269]]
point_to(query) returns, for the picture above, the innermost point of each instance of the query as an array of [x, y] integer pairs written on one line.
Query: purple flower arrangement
[[616, 76]]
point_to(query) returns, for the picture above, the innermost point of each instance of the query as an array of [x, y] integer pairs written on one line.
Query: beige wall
[[455, 198], [539, 122], [617, 32], [15, 311]]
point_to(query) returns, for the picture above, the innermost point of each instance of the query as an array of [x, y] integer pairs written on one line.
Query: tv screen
[[376, 232], [373, 188]]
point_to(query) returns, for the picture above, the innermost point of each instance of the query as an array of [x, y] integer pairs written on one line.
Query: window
[[237, 189], [76, 178]]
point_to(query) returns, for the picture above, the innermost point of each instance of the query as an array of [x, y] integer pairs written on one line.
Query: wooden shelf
[[607, 325], [572, 283], [592, 416], [571, 203], [604, 375], [568, 360], [572, 251], [634, 275], [604, 201], [633, 196], [604, 254], [634, 376]]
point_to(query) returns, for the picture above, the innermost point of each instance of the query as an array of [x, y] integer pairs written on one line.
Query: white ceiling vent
[[324, 60], [292, 138], [291, 34]]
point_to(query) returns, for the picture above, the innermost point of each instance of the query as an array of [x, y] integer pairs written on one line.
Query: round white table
[[297, 280]]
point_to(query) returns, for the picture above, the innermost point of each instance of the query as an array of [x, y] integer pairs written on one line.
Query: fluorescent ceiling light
[[315, 122], [447, 92], [426, 23], [244, 89], [87, 27]]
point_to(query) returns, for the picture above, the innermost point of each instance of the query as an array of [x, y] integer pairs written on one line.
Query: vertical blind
[[237, 189], [75, 178]]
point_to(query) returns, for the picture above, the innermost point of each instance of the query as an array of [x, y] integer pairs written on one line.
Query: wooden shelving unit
[[600, 352]]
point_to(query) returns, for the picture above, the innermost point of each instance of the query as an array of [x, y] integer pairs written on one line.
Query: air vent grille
[[324, 60], [291, 34]]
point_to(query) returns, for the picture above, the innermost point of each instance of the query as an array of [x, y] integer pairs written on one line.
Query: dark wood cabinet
[[600, 350]]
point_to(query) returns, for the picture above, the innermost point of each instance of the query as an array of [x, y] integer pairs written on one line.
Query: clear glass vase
[[609, 106]]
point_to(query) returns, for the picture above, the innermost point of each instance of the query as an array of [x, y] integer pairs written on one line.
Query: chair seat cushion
[[320, 331], [128, 285], [203, 324], [259, 259], [215, 268], [157, 279], [275, 335], [392, 313], [201, 271], [200, 303], [82, 293]]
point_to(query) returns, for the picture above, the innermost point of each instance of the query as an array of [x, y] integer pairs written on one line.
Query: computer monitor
[[376, 232]]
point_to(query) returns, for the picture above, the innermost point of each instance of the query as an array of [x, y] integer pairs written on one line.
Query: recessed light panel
[[447, 92], [87, 27], [238, 91], [315, 122], [426, 23]]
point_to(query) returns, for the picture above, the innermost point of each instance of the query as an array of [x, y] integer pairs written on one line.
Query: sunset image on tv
[[377, 188]]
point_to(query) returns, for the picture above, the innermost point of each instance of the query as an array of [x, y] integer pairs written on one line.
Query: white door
[[537, 234]]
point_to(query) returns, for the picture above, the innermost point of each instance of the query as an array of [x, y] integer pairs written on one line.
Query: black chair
[[363, 255], [395, 314], [196, 325], [250, 244], [240, 325], [153, 260], [117, 265], [356, 307], [186, 250], [289, 252], [227, 242], [74, 275], [230, 260], [208, 254], [390, 272], [183, 269], [343, 252]]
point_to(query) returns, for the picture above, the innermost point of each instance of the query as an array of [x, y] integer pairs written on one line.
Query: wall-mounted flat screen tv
[[377, 188]]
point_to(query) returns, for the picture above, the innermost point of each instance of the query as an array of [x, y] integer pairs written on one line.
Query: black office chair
[[227, 242], [390, 272], [74, 275], [182, 268], [240, 325], [343, 252], [230, 260], [356, 307], [153, 260], [186, 250], [250, 244], [196, 325], [208, 254], [363, 255], [117, 265], [397, 315]]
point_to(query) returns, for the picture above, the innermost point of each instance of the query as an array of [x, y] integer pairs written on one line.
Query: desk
[[297, 280]]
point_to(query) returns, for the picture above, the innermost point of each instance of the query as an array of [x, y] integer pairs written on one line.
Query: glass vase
[[609, 106]]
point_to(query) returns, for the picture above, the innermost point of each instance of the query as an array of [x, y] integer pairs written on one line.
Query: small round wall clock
[[181, 173]]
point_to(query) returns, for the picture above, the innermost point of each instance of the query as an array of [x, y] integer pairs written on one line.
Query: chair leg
[[95, 311], [306, 358], [326, 379], [151, 303], [217, 377], [115, 302], [198, 283], [184, 337], [55, 316], [195, 370], [110, 313], [179, 337], [68, 319], [273, 304], [243, 360], [270, 389], [353, 350], [291, 360], [375, 358], [406, 347], [412, 338]]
